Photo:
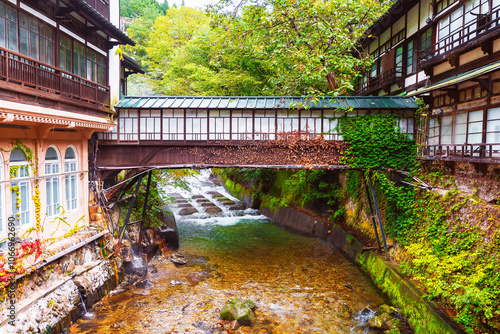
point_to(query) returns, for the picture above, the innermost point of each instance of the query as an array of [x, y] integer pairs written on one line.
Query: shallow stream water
[[299, 284]]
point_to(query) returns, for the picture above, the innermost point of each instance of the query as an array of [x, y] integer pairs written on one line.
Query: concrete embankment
[[423, 316]]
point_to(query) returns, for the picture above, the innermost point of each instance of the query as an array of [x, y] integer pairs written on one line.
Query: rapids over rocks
[[298, 284]]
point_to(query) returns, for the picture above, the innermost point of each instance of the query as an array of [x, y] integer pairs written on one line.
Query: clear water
[[299, 284]]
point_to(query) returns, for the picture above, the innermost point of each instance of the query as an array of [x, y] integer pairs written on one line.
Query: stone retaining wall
[[53, 294]]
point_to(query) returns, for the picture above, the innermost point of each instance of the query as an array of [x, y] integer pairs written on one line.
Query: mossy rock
[[238, 310], [385, 309], [393, 331], [393, 323]]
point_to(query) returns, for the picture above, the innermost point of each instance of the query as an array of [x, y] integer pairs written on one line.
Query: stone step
[[187, 211], [213, 209]]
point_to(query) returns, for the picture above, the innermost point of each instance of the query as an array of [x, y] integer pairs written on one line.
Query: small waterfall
[[87, 314]]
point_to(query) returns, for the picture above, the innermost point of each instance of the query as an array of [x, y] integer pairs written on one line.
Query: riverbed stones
[[239, 310]]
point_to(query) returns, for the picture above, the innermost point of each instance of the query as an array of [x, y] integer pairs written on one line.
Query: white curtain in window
[[70, 184], [52, 184]]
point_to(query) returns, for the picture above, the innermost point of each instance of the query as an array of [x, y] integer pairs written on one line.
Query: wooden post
[[139, 242], [378, 215], [371, 212]]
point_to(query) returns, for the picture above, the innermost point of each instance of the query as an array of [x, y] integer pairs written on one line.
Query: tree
[[310, 45], [169, 34], [137, 8]]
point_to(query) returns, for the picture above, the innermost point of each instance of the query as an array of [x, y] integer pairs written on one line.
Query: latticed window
[[52, 184], [70, 165], [21, 189], [65, 53]]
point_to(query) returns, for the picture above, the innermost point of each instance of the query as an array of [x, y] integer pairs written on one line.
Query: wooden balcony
[[29, 76], [383, 81], [481, 153], [100, 6], [479, 32]]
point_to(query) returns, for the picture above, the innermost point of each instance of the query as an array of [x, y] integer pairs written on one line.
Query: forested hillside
[[251, 47]]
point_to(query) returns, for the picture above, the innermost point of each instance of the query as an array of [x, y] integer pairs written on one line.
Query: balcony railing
[[479, 30], [387, 78], [463, 152], [32, 74], [101, 6]]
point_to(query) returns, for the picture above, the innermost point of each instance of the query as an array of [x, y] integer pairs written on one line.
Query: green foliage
[[310, 46], [157, 196], [137, 8], [375, 141], [269, 48]]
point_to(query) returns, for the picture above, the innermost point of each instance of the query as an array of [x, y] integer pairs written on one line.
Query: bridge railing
[[198, 125]]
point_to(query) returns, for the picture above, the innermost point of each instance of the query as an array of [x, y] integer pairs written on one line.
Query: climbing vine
[[375, 141]]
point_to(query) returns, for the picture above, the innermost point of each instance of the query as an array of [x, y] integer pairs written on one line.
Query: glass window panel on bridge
[[287, 122], [310, 122], [219, 125], [330, 122], [493, 131], [150, 125], [173, 124], [265, 124], [128, 125], [196, 124], [242, 125]]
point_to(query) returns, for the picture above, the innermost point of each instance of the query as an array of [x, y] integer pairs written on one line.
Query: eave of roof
[[131, 64], [264, 102], [110, 28], [394, 13], [455, 79]]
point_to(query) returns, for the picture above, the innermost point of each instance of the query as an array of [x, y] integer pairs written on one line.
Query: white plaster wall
[[425, 11], [114, 59], [412, 21]]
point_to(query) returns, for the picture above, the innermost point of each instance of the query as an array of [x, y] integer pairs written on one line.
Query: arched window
[[19, 169], [70, 165], [53, 184]]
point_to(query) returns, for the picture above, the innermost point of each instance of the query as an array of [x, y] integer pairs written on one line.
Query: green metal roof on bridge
[[264, 102]]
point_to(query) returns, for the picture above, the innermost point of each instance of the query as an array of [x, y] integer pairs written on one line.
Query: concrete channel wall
[[423, 316]]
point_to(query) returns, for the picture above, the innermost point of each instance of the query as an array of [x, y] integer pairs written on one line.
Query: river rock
[[143, 284], [184, 205], [239, 310], [379, 321], [394, 323], [393, 331], [197, 196], [177, 258], [386, 309]]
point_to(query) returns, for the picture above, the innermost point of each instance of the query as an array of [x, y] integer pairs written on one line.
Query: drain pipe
[[378, 215]]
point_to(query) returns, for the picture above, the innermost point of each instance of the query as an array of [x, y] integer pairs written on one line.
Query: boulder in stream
[[239, 310], [384, 319], [177, 258]]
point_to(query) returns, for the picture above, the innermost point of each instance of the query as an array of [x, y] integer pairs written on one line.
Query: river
[[299, 284]]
